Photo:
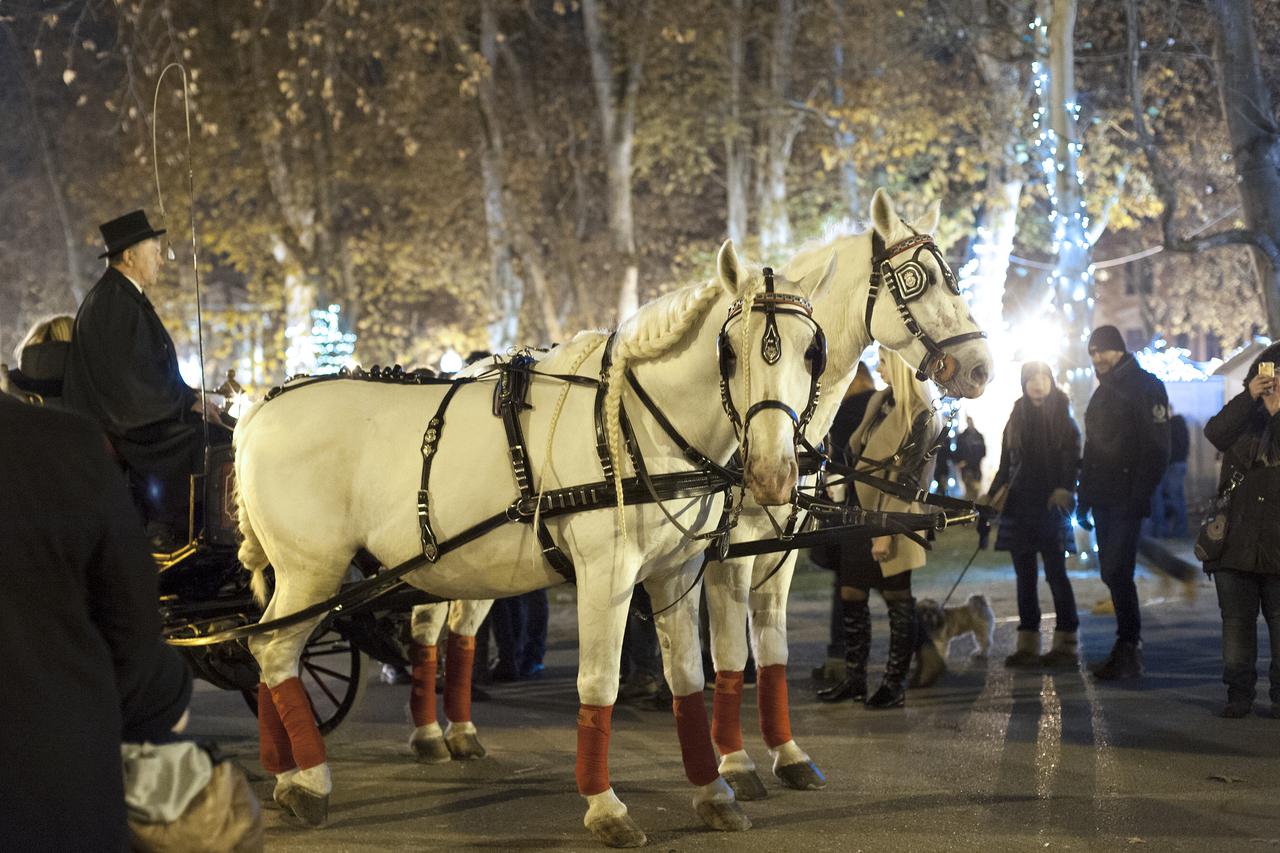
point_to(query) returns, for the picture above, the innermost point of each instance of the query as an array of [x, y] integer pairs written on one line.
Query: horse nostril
[[979, 374]]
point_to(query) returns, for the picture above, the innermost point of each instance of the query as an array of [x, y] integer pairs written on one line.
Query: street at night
[[988, 759]]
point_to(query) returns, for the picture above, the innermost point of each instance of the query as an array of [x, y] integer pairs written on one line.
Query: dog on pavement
[[938, 627]]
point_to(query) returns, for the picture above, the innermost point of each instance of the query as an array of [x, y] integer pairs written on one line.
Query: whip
[[195, 245]]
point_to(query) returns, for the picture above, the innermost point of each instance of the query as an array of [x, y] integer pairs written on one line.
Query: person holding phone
[[1247, 575]]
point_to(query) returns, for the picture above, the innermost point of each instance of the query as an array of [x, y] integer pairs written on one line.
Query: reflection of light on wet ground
[[1106, 775], [1048, 738]]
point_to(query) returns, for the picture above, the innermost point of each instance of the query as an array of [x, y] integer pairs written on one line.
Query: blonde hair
[[911, 395], [653, 330], [55, 328]]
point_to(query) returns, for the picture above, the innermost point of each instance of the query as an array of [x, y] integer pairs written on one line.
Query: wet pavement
[[988, 759]]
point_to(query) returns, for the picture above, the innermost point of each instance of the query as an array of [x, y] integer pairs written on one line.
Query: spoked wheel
[[333, 672]]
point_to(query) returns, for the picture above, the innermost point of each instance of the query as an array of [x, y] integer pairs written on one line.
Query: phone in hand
[[1267, 369]]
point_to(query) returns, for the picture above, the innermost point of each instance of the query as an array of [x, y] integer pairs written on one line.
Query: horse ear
[[883, 215], [822, 279], [928, 224], [729, 268]]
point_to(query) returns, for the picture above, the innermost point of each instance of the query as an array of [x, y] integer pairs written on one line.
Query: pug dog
[[937, 627]]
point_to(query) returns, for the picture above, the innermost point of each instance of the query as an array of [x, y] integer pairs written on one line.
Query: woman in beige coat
[[902, 427]]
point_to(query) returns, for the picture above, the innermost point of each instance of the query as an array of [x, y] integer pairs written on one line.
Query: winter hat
[[1107, 338], [1031, 368]]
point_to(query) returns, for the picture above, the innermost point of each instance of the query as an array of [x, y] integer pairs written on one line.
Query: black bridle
[[907, 282], [771, 304]]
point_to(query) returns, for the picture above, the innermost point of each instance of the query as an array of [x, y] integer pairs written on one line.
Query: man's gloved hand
[[1082, 516], [1062, 499]]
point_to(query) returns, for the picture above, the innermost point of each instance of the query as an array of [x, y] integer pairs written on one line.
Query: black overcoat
[[79, 631], [1249, 439], [122, 371], [1126, 440]]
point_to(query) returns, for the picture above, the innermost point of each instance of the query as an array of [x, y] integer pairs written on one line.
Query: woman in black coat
[[1247, 575], [1039, 463]]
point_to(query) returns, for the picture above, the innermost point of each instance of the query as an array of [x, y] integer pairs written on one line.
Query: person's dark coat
[[79, 626], [1040, 452], [40, 369], [1249, 439], [1126, 448], [122, 371]]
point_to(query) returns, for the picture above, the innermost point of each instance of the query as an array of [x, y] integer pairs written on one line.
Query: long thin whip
[[195, 244]]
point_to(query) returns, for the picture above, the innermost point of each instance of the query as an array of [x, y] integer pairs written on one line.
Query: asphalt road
[[989, 759]]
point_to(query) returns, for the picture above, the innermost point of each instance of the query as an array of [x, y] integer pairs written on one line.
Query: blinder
[[771, 304], [907, 282]]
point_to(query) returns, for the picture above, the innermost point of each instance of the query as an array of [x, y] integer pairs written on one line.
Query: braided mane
[[658, 327]]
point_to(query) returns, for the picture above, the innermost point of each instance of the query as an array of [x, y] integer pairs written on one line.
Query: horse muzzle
[[772, 483]]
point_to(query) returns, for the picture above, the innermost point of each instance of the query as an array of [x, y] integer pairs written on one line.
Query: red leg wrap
[[771, 694], [592, 767], [274, 750], [291, 702], [726, 725], [422, 698], [700, 766], [457, 678]]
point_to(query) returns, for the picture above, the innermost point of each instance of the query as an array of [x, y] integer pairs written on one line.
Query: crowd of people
[[76, 541]]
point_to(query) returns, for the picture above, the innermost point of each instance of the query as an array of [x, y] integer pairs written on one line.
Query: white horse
[[732, 596], [327, 468], [742, 590]]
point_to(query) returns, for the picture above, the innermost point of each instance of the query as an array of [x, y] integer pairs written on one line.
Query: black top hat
[[128, 230]]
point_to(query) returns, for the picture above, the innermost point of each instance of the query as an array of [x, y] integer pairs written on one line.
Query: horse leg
[[677, 623], [727, 584], [768, 619], [465, 618], [290, 744], [427, 740], [603, 599]]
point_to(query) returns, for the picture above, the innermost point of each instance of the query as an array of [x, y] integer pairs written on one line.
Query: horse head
[[914, 305], [772, 354]]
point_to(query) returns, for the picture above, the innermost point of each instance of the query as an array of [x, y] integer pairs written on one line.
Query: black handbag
[[1211, 542]]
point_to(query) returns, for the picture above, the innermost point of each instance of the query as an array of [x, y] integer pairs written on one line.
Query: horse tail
[[251, 554]]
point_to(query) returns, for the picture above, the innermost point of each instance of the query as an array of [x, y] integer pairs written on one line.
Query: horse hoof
[[746, 785], [311, 809], [724, 816], [802, 776], [619, 831], [464, 746], [431, 750]]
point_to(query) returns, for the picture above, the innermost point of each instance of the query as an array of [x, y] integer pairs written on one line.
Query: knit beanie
[[1107, 338]]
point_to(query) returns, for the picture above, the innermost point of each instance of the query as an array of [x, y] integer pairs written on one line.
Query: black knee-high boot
[[902, 642], [857, 643]]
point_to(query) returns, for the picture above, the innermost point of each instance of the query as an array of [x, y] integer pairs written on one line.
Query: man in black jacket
[[1126, 452], [122, 371], [80, 630]]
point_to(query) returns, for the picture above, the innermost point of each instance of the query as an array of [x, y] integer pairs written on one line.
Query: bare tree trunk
[[844, 138], [617, 123], [52, 173], [1072, 279], [506, 288], [781, 128], [1255, 139], [735, 145]]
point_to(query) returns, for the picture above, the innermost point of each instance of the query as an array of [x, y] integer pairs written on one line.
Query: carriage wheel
[[334, 673]]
